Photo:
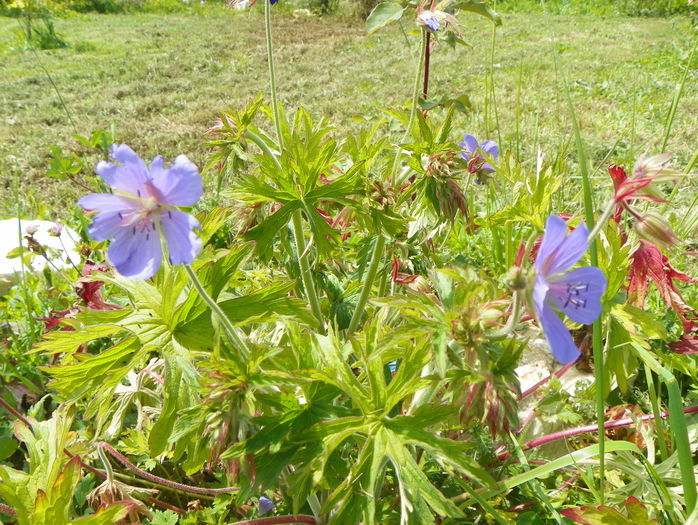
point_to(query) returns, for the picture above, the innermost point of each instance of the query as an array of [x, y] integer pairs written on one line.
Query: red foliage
[[650, 264]]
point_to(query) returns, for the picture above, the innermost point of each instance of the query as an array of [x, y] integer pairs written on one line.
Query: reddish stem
[[427, 54], [167, 506], [6, 509], [542, 382], [16, 414], [162, 481], [589, 429], [279, 520]]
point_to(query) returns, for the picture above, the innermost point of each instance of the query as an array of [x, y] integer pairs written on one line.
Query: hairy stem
[[306, 274], [156, 479], [272, 74], [231, 331], [368, 283], [571, 432], [415, 102], [610, 208]]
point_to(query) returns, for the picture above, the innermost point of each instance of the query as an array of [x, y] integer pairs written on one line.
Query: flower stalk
[[368, 284], [237, 340], [272, 73], [306, 274]]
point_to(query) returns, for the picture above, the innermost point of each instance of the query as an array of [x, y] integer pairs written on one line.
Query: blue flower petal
[[559, 338], [470, 142], [265, 505], [180, 184], [558, 253], [491, 148], [182, 242], [136, 252], [130, 177]]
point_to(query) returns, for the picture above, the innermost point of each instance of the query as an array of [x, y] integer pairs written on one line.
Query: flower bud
[[654, 228], [654, 168], [516, 278], [428, 19]]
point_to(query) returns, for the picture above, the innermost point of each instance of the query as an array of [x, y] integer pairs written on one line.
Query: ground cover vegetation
[[313, 308]]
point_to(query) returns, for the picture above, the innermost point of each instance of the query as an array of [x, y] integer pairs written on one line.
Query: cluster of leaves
[[317, 419], [398, 411]]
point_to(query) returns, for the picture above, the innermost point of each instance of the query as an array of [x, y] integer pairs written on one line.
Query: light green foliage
[[43, 495]]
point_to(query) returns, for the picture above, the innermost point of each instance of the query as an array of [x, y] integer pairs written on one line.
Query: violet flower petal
[[578, 294], [487, 167], [136, 252], [182, 242], [108, 202], [557, 252], [179, 185], [470, 142], [130, 177], [559, 338], [491, 148]]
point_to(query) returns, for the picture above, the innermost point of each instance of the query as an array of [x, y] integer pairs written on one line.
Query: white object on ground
[[61, 249]]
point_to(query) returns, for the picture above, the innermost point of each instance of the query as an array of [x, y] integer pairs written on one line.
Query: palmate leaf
[[383, 440], [43, 496], [382, 15], [480, 8]]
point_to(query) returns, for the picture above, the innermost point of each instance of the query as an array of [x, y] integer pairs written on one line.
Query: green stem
[[659, 424], [415, 102], [512, 321], [306, 275], [677, 97], [597, 340], [610, 208], [368, 284], [272, 74], [105, 463], [230, 330], [677, 423], [263, 146]]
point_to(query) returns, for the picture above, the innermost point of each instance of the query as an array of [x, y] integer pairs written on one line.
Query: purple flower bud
[[56, 229], [265, 505]]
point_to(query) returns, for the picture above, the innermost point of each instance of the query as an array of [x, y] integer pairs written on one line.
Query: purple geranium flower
[[577, 294], [142, 207], [473, 154]]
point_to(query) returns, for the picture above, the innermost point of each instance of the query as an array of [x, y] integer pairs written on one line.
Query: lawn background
[[157, 81]]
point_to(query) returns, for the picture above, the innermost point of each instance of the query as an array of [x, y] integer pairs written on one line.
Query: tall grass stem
[[671, 115], [597, 341]]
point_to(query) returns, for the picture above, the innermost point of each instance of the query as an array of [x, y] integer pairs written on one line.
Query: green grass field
[[157, 82]]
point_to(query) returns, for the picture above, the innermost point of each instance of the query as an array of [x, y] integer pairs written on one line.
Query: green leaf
[[480, 8], [68, 342], [112, 514], [264, 233], [174, 389], [415, 488], [101, 372], [382, 15]]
